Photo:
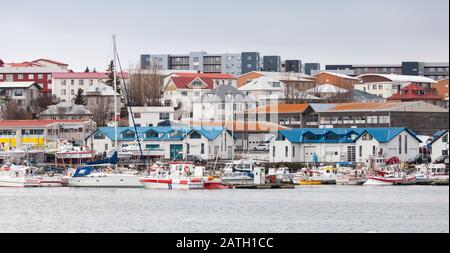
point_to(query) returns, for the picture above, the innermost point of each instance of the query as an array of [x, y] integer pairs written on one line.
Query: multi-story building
[[439, 145], [66, 85], [417, 93], [310, 67], [432, 70], [227, 63], [292, 66], [251, 61], [272, 63], [39, 71]]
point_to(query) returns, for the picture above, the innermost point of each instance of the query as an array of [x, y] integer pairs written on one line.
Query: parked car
[[419, 159], [262, 147], [441, 159]]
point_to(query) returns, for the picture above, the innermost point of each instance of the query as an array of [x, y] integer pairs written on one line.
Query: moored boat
[[179, 175], [17, 176]]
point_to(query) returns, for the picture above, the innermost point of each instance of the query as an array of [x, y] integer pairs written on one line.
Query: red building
[[414, 92], [39, 71]]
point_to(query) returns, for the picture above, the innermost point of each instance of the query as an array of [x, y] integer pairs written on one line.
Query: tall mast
[[116, 143]]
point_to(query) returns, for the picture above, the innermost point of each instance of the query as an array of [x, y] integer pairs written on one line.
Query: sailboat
[[105, 173]]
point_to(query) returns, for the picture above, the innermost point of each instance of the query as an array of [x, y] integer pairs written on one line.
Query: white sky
[[326, 31]]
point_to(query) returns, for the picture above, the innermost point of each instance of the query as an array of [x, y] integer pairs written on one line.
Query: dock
[[264, 186]]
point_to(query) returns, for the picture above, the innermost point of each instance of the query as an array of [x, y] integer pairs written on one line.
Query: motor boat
[[17, 176], [351, 176], [67, 151], [239, 173], [179, 175]]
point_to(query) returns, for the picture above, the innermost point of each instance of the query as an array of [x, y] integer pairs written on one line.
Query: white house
[[439, 145], [342, 144], [150, 116], [184, 88], [221, 104], [387, 85]]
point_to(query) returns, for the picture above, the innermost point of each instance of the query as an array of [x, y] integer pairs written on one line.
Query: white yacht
[[17, 176]]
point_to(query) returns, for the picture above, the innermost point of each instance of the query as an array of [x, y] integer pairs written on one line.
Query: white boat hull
[[109, 181], [18, 182], [153, 183], [381, 181]]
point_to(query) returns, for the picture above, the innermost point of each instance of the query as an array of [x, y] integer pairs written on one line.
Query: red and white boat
[[390, 178], [17, 176], [179, 175]]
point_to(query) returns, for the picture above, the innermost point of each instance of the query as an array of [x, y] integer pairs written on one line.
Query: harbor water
[[308, 209]]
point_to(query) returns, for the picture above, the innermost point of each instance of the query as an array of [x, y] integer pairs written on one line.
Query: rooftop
[[35, 123], [18, 85], [401, 78]]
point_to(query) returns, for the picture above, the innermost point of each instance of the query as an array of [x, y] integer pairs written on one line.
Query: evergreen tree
[[94, 71], [80, 99], [86, 70], [110, 81]]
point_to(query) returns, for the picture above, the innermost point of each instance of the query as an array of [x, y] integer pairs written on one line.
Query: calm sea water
[[305, 209]]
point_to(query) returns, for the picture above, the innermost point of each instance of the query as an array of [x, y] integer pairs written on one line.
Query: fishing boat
[[351, 176], [316, 176], [179, 175], [438, 174], [17, 176], [389, 178]]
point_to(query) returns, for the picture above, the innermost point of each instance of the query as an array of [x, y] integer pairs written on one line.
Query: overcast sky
[[326, 31]]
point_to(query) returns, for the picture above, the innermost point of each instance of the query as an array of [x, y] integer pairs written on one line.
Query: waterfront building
[[38, 134], [387, 85], [65, 111], [39, 71], [204, 143], [150, 116], [439, 145], [331, 145], [21, 93], [297, 81]]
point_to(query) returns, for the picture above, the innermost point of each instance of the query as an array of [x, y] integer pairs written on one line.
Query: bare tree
[[145, 87], [99, 112], [43, 101], [12, 111]]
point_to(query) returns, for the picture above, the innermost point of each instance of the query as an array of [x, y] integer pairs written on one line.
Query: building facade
[[150, 116], [22, 93], [40, 71]]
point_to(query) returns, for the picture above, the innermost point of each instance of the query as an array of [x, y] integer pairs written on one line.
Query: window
[[137, 115], [351, 154], [128, 134], [91, 82], [374, 150], [280, 138], [1, 76], [184, 93], [188, 148], [202, 151], [406, 144], [9, 78], [63, 82], [106, 147], [374, 87], [63, 92], [360, 151], [164, 116], [400, 144], [151, 134], [40, 76], [331, 136], [20, 76], [80, 82], [293, 151], [72, 92], [195, 135], [152, 146], [49, 77], [384, 119], [367, 137], [286, 151], [273, 151], [32, 132]]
